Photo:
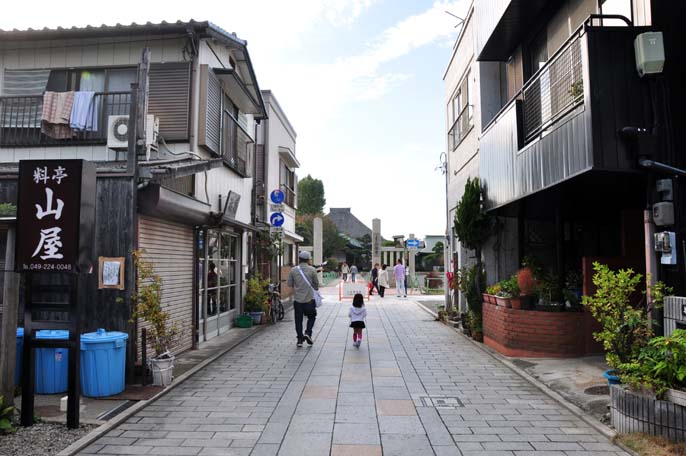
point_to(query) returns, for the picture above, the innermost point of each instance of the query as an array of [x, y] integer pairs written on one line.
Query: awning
[[288, 157], [239, 93], [161, 202], [519, 18], [293, 236]]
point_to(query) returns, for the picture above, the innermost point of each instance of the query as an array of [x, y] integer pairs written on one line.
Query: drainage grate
[[598, 390], [441, 402]]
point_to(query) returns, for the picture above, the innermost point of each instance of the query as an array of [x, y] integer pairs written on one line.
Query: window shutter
[[169, 98], [209, 120]]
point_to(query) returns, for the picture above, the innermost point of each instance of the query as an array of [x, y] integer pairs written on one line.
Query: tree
[[333, 242], [473, 226], [311, 196]]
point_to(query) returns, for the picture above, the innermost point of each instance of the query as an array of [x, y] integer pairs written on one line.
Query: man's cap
[[304, 255]]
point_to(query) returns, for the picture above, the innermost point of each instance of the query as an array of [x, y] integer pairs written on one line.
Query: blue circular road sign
[[276, 219], [277, 196]]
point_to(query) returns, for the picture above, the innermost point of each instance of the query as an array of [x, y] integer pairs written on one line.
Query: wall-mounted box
[[650, 53]]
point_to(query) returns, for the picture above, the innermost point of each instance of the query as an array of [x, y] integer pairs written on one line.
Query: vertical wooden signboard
[[54, 248]]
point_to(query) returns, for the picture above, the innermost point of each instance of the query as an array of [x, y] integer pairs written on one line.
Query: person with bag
[[383, 280], [304, 280]]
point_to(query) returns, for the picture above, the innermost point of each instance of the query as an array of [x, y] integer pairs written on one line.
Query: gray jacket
[[303, 292]]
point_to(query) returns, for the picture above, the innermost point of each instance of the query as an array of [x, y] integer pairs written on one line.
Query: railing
[[460, 128], [554, 90], [20, 120], [290, 196]]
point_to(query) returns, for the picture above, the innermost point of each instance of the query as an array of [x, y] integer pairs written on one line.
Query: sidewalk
[[415, 387]]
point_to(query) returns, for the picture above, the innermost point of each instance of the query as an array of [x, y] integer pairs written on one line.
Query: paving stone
[[405, 445], [386, 407], [356, 450], [348, 433]]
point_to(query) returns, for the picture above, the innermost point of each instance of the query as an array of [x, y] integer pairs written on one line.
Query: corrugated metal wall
[[170, 247]]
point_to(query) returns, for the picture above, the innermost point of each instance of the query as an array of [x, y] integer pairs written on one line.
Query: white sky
[[360, 80]]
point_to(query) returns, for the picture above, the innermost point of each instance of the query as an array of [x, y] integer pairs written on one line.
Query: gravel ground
[[42, 439]]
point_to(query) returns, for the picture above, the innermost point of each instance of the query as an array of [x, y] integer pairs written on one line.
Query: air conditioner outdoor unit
[[118, 132]]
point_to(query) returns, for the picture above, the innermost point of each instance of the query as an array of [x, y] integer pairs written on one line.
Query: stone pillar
[[376, 241], [318, 244], [8, 330]]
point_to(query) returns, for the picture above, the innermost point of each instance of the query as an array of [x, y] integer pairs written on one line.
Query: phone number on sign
[[48, 267]]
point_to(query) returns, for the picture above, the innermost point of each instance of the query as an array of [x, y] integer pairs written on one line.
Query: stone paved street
[[415, 387]]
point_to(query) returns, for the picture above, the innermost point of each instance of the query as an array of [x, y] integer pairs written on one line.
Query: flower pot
[[516, 303], [492, 299], [504, 302], [478, 336], [162, 371], [256, 317], [676, 396], [612, 377]]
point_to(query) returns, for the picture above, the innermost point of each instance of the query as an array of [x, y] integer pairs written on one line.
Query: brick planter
[[534, 334]]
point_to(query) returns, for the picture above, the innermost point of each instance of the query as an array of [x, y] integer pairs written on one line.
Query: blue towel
[[84, 115]]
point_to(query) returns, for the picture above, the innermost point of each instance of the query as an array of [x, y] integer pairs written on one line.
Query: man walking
[[303, 279], [399, 273], [375, 279], [353, 272]]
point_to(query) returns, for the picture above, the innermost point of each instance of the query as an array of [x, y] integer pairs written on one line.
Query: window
[[462, 112], [616, 7], [94, 80], [287, 183], [537, 53]]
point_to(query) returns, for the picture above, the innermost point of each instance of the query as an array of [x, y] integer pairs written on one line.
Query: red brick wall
[[528, 333]]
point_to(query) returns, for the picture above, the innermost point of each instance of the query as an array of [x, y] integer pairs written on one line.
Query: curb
[[100, 431], [603, 429]]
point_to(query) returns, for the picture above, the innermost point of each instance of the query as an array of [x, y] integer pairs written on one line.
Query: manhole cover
[[442, 402], [597, 390]]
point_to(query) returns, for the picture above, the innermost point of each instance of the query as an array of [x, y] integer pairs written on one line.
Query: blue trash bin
[[18, 364], [103, 363], [52, 364]]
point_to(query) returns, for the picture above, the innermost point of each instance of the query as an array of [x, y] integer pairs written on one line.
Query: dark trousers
[[307, 309], [382, 290], [375, 284]]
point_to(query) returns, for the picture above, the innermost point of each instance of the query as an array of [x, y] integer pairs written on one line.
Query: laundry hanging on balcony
[[84, 113], [56, 115]]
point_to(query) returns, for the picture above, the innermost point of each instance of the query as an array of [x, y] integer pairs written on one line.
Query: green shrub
[[6, 416], [256, 295], [659, 366], [626, 329]]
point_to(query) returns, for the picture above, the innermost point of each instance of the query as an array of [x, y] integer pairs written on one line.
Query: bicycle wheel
[[274, 311], [280, 308]]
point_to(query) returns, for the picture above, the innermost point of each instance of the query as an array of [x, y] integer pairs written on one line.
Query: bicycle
[[276, 309]]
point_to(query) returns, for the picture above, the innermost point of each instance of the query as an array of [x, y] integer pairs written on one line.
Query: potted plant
[[476, 326], [162, 334], [626, 328], [256, 297], [491, 293], [549, 295]]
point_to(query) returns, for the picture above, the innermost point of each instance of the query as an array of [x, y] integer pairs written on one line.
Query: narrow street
[[415, 387]]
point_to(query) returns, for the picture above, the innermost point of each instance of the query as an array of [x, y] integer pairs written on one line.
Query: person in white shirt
[[383, 280], [357, 314]]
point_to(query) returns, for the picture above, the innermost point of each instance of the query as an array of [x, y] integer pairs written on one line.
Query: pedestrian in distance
[[345, 270], [353, 272], [399, 273], [357, 314], [303, 279], [375, 279], [383, 280]]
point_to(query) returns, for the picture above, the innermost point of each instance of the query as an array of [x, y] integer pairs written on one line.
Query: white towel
[[84, 115]]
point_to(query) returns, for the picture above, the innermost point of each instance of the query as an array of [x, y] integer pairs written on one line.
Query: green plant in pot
[[509, 293], [162, 334], [256, 297], [626, 327], [491, 293], [476, 326]]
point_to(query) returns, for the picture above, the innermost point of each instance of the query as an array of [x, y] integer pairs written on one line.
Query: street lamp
[[443, 167]]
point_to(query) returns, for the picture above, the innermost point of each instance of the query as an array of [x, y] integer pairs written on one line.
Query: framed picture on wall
[[111, 273]]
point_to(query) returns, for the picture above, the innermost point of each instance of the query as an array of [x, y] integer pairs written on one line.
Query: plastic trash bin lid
[[52, 334], [20, 332], [102, 336]]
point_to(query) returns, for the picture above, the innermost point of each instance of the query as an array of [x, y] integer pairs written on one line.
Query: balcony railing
[[554, 90], [460, 128], [20, 120]]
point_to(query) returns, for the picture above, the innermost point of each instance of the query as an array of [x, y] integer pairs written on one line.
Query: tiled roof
[[119, 29], [347, 223]]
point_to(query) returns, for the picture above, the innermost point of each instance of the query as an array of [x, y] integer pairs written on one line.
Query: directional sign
[[412, 243], [276, 207], [276, 219], [277, 196]]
